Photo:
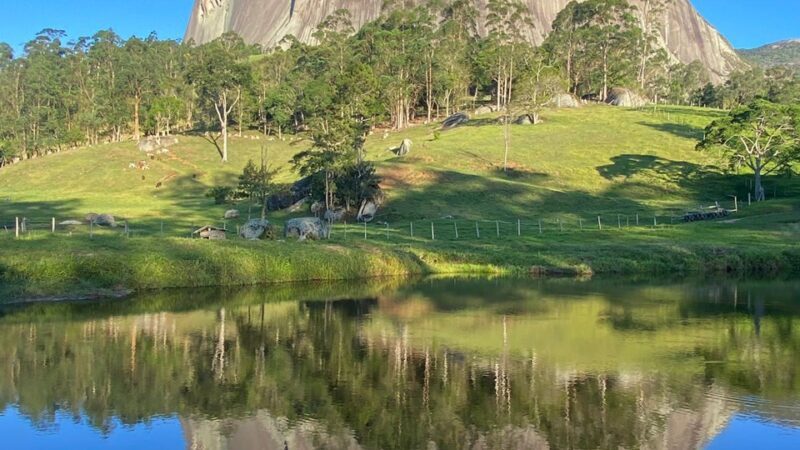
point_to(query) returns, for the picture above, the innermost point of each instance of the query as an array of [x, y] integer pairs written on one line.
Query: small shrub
[[221, 194]]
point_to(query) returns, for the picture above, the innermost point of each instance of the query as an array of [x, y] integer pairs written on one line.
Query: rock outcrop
[[256, 229], [625, 98], [685, 34], [306, 228]]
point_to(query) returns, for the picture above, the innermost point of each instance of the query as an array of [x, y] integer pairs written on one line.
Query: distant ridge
[[782, 53]]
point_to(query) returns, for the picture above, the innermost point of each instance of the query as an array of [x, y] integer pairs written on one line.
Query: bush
[[221, 194]]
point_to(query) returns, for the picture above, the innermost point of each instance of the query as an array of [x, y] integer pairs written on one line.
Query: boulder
[[103, 220], [256, 229], [455, 120], [317, 207], [405, 147], [565, 101], [231, 214], [484, 110], [625, 98], [335, 215], [157, 144], [70, 223], [524, 119], [298, 205], [306, 228], [367, 211]]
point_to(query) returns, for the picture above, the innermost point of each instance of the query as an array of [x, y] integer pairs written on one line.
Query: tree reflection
[[409, 369]]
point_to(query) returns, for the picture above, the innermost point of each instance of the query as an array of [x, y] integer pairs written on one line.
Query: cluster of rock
[[565, 101], [157, 144], [305, 228]]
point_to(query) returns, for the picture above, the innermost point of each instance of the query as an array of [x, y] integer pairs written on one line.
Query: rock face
[[306, 228], [103, 220], [625, 98], [157, 144], [686, 35]]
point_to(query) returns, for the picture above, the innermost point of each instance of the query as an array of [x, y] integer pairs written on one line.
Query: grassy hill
[[577, 165]]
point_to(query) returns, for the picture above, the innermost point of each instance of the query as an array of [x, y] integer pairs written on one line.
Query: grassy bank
[[759, 241]]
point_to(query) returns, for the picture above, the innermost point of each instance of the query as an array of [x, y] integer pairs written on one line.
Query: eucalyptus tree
[[653, 14], [220, 73], [762, 136]]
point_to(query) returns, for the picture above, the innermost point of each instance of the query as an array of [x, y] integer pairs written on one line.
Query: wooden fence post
[[53, 225], [412, 229], [637, 219], [580, 223], [477, 230], [735, 203], [162, 228], [16, 227], [540, 226], [655, 221], [433, 232], [497, 223], [599, 224], [748, 199], [455, 226], [619, 221], [365, 230], [519, 228]]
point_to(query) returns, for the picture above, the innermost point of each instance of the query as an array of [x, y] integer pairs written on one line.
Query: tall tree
[[763, 136], [220, 74]]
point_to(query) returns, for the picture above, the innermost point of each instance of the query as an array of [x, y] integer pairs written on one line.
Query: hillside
[[784, 53], [591, 160], [618, 164], [686, 35]]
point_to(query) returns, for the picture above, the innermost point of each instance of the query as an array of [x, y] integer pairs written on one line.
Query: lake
[[443, 363]]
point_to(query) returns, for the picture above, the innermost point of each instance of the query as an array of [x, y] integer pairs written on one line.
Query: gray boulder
[[565, 101], [524, 119], [484, 110], [70, 223], [306, 228], [455, 120], [255, 229], [625, 98], [231, 214], [157, 144], [367, 211], [335, 215], [103, 220], [405, 147]]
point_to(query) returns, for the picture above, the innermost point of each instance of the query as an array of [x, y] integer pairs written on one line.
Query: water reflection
[[434, 364]]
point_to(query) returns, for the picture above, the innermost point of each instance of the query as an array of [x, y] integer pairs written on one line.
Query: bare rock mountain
[[686, 35]]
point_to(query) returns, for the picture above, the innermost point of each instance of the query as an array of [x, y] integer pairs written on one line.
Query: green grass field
[[576, 166]]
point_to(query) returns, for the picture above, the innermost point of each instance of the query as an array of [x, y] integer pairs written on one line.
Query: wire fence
[[399, 231]]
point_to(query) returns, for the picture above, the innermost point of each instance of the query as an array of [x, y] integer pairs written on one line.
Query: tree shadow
[[683, 130]]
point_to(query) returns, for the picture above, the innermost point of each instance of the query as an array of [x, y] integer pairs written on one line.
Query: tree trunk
[[136, 104], [759, 188]]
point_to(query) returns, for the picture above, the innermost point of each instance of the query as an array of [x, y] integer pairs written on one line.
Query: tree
[[219, 75], [762, 136], [337, 144], [256, 182], [653, 13], [537, 86]]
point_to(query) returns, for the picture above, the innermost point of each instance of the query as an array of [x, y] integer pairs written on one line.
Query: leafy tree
[[762, 136], [220, 75], [537, 86], [256, 182], [357, 183]]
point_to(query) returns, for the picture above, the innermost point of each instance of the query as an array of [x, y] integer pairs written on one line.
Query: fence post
[[497, 223], [560, 225], [627, 221], [599, 224], [387, 231], [455, 226], [580, 223], [345, 230], [433, 232], [619, 221], [53, 225], [735, 203], [127, 230], [412, 229], [655, 221], [477, 230], [365, 230], [91, 229], [637, 219], [16, 227], [519, 228], [540, 226], [748, 199]]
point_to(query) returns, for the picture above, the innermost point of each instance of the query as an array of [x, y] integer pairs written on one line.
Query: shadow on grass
[[686, 131]]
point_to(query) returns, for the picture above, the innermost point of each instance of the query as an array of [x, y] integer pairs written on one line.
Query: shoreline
[[51, 271]]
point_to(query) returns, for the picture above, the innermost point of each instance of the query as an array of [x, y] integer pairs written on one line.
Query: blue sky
[[747, 23]]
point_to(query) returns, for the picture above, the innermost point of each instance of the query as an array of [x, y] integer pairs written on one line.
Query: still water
[[393, 364]]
